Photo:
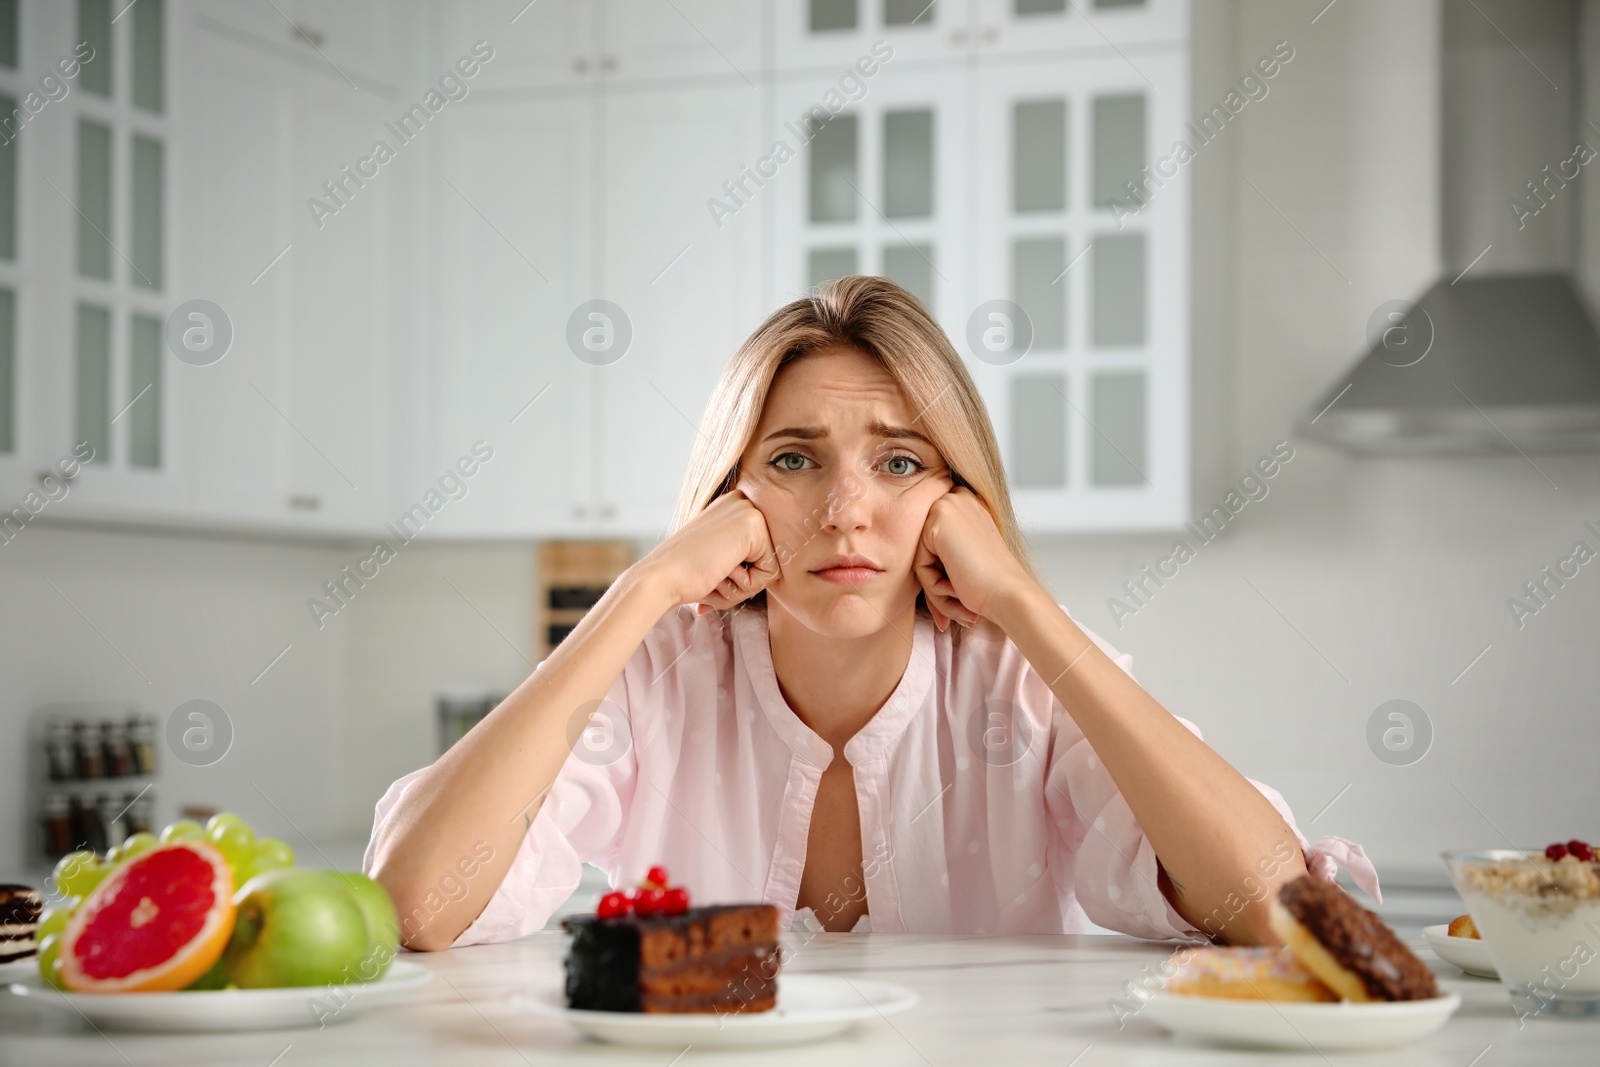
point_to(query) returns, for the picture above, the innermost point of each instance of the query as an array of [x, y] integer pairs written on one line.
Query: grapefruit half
[[157, 922]]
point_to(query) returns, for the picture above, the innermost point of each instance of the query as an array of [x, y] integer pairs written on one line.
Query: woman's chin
[[847, 612]]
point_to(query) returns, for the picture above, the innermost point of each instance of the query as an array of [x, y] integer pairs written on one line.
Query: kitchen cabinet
[[354, 42], [829, 35], [1087, 386], [688, 279], [516, 257], [1012, 26]]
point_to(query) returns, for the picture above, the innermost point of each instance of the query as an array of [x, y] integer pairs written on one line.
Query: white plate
[[810, 1007], [1341, 1026], [1468, 953], [226, 1009]]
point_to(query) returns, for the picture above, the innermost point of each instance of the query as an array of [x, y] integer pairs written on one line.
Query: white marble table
[[1019, 1000]]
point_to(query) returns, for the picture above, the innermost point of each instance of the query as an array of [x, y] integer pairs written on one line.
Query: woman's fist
[[720, 558]]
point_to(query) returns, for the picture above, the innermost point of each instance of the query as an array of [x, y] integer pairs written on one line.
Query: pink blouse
[[983, 808]]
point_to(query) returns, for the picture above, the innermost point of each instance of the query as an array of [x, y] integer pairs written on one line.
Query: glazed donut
[[1244, 974], [1352, 950]]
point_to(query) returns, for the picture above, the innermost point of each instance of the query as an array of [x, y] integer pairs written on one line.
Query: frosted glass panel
[[1118, 146], [1118, 3], [8, 371], [149, 45], [94, 27], [1039, 431], [8, 34], [1119, 429], [1040, 7], [906, 12], [908, 164], [826, 264], [834, 170], [1039, 155], [144, 382], [1036, 263], [8, 181], [911, 267], [1117, 282], [832, 15], [147, 212], [94, 199], [92, 388]]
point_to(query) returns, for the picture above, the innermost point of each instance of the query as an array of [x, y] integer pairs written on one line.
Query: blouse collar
[[755, 650]]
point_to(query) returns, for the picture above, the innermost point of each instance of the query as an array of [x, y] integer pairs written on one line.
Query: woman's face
[[839, 468]]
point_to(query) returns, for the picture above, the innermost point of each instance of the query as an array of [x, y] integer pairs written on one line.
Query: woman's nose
[[846, 505]]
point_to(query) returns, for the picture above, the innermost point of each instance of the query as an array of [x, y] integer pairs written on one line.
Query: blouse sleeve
[[580, 821], [1103, 859]]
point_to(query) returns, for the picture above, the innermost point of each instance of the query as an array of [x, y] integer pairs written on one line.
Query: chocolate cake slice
[[722, 958], [20, 906]]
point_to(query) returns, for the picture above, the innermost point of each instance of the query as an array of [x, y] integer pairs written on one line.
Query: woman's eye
[[790, 461], [907, 465]]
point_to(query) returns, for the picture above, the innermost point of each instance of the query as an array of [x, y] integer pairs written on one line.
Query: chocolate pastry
[[1352, 950]]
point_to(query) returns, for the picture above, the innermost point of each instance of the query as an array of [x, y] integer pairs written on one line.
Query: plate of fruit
[[209, 928]]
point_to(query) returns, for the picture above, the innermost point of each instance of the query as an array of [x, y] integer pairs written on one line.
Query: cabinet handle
[[580, 512], [580, 66], [990, 35], [609, 511], [305, 502], [608, 63], [958, 37]]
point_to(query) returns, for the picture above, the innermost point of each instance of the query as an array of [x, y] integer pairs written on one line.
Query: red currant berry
[[648, 901], [1555, 851], [676, 902], [613, 906], [1582, 851], [657, 877]]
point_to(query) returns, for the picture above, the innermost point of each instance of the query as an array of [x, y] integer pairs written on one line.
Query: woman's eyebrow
[[876, 429]]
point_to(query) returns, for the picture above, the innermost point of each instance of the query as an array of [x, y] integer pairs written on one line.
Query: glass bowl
[[1540, 921]]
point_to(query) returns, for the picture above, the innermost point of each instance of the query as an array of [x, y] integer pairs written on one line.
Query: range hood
[[1502, 351]]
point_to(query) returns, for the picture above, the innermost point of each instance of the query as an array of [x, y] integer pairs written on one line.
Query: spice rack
[[572, 576], [94, 771]]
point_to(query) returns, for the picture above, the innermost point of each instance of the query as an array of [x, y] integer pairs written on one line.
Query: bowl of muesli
[[1538, 912]]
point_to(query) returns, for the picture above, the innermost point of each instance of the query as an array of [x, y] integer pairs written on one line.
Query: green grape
[[137, 843], [183, 830], [78, 872], [54, 919], [49, 966], [236, 842], [272, 854], [221, 819]]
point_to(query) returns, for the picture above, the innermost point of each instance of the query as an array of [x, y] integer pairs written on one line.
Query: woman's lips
[[848, 575]]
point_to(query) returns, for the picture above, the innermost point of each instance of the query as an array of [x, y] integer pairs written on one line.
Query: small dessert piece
[[1245, 974], [1463, 926], [649, 951], [1352, 950], [20, 907]]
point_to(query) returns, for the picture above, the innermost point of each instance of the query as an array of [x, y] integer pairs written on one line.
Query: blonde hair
[[882, 320]]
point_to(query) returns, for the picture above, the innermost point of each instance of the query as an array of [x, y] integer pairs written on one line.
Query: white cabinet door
[[832, 35], [1012, 26], [515, 200], [1093, 415], [687, 275], [233, 129], [879, 188], [332, 398], [352, 42], [647, 39]]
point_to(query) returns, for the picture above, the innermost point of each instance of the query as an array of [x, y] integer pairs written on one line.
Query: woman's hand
[[720, 558], [963, 563]]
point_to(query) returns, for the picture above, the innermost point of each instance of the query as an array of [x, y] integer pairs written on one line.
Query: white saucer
[[1468, 953], [810, 1007], [226, 1009], [1325, 1027]]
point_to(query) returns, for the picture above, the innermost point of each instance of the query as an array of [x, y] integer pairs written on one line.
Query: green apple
[[295, 927], [383, 925], [215, 978]]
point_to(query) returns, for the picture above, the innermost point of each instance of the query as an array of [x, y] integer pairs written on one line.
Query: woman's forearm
[[489, 786], [1215, 834]]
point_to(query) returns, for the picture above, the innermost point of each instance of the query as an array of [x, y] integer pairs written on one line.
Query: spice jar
[[86, 742]]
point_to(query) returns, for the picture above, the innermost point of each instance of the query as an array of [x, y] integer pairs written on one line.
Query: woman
[[814, 732]]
